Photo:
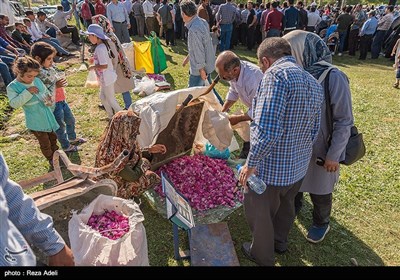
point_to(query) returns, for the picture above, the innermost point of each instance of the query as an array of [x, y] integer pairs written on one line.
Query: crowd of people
[[284, 95]]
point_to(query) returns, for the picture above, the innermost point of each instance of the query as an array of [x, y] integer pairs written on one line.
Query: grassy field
[[365, 220]]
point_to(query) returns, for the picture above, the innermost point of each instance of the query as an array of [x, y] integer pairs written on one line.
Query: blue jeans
[[197, 81], [273, 33], [377, 43], [66, 121], [51, 32], [55, 43], [126, 96], [5, 69], [226, 34], [342, 38]]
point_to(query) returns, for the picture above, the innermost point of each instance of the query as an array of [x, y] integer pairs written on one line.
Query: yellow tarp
[[143, 57]]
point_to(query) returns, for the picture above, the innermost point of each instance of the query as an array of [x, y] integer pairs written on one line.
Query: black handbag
[[355, 148]]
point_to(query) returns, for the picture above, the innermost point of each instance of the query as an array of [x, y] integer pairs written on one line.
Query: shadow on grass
[[170, 80], [338, 248]]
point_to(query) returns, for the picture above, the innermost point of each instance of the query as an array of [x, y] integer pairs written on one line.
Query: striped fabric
[[22, 224], [286, 114]]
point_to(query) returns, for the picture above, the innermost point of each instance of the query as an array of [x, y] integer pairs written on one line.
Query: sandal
[[78, 141], [71, 149]]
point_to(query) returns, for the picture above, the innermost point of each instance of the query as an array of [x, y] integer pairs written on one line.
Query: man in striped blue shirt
[[22, 222], [286, 117]]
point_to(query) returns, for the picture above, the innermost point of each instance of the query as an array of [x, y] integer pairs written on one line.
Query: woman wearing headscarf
[[134, 176], [121, 64], [314, 56]]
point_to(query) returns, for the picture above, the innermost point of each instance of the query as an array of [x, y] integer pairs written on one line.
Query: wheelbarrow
[[81, 183]]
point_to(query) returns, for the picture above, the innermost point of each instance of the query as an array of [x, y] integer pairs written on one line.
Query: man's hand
[[203, 74], [59, 32], [158, 149], [128, 25], [62, 258], [245, 173], [235, 119], [33, 90], [185, 61], [45, 36], [331, 166]]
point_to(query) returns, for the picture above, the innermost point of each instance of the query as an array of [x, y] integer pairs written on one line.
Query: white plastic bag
[[91, 80], [92, 249], [217, 129], [130, 53], [242, 128]]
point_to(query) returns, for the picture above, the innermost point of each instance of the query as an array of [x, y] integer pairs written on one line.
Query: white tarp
[[157, 110]]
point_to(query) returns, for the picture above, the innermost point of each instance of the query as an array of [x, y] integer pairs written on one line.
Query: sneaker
[[396, 85], [246, 251], [71, 149], [317, 234], [340, 54]]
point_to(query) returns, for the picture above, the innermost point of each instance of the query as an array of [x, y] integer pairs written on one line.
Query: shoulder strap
[[329, 120]]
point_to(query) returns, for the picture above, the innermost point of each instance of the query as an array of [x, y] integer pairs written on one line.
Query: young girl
[[44, 54], [104, 68], [26, 91], [215, 37]]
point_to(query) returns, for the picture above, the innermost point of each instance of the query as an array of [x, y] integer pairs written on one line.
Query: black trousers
[[353, 41], [74, 32], [270, 216], [365, 45], [321, 210], [251, 38]]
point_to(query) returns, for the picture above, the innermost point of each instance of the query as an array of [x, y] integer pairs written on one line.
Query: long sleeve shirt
[[291, 18], [286, 120], [22, 224], [6, 37], [117, 12], [38, 117], [274, 20], [201, 51], [246, 86], [385, 22], [369, 27], [60, 18], [43, 25], [148, 9], [35, 32], [226, 13]]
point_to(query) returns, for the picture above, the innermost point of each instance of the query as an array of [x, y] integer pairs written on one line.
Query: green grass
[[365, 221]]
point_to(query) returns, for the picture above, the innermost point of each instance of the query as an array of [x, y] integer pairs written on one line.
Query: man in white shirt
[[38, 36], [244, 79], [60, 19], [148, 15], [118, 16]]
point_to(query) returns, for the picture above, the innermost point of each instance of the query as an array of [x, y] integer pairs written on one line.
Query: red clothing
[[60, 94], [5, 36], [85, 11], [100, 8], [274, 20]]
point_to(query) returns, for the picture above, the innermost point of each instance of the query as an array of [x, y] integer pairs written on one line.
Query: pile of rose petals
[[110, 224], [206, 182]]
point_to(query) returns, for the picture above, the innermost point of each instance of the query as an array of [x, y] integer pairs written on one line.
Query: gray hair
[[232, 63], [188, 7], [274, 48]]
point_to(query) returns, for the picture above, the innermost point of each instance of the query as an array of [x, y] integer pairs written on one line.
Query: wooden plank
[[26, 184], [212, 245]]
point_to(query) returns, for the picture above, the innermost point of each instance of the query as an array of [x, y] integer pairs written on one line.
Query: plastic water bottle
[[253, 182]]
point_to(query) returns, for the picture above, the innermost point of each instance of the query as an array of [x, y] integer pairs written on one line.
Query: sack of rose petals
[[93, 248]]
